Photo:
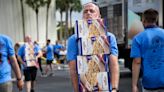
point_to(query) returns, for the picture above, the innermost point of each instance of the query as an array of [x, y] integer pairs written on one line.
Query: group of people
[[26, 57], [147, 52]]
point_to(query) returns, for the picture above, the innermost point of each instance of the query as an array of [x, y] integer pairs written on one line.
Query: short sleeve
[[72, 49], [10, 47], [113, 45], [135, 49], [21, 51]]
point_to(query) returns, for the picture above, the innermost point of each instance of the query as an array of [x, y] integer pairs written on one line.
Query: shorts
[[30, 73], [6, 87], [57, 56], [153, 90], [49, 62]]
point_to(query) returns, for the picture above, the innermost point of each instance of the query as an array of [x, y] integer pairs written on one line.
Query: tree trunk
[[61, 26], [47, 21], [23, 23], [37, 26], [70, 18], [66, 26]]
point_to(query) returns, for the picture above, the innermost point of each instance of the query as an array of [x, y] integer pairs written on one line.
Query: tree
[[47, 14], [76, 7], [23, 23], [66, 6], [35, 5]]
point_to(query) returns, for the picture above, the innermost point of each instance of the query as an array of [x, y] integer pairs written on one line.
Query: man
[[148, 53], [49, 56], [57, 48], [91, 11], [7, 50], [28, 55], [39, 59]]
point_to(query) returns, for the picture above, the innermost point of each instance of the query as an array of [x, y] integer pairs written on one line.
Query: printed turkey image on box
[[94, 45], [30, 56], [93, 73], [90, 28]]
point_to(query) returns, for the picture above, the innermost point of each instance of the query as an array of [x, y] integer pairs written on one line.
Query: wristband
[[115, 89], [18, 79]]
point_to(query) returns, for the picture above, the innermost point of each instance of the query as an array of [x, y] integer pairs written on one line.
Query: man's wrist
[[20, 78], [115, 89]]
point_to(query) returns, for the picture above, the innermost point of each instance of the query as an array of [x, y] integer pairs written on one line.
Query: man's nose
[[88, 12]]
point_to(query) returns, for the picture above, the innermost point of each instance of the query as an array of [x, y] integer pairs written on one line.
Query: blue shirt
[[149, 45], [57, 48], [72, 50], [21, 52], [6, 50], [49, 52]]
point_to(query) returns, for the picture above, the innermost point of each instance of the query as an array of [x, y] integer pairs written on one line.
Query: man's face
[[91, 11], [27, 39]]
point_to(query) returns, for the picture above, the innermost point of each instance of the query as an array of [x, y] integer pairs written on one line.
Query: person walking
[[91, 11], [7, 50], [28, 55], [147, 52], [39, 58], [49, 57]]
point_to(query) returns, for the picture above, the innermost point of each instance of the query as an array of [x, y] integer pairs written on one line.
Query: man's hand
[[20, 84]]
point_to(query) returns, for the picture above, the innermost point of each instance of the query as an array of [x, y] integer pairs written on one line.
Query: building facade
[[11, 21]]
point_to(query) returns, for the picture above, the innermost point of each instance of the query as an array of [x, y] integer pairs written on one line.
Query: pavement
[[60, 80]]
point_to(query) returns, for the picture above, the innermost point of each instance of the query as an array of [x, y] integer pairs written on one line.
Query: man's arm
[[39, 54], [114, 69], [74, 75], [21, 61], [17, 71], [135, 73]]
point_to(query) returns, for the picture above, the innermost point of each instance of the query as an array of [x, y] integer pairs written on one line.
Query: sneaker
[[32, 90], [45, 75], [59, 67]]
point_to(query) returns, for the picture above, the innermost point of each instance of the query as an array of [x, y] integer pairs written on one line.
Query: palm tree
[[48, 6], [23, 23], [76, 7], [35, 5], [60, 6], [66, 6]]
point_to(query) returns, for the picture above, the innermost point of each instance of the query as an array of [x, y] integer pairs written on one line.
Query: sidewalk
[[60, 82]]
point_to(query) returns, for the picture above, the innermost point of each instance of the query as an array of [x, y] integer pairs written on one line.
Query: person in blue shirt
[[39, 59], [57, 48], [91, 11], [49, 56], [28, 55], [7, 50], [147, 52]]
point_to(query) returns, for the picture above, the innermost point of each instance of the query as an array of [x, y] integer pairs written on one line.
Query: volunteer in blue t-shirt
[[7, 51], [148, 53], [49, 56], [91, 11], [57, 48], [28, 55]]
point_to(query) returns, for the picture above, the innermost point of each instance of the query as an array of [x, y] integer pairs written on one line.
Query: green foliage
[[76, 6], [36, 4]]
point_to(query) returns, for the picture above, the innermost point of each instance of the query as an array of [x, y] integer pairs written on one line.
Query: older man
[[91, 11], [28, 55]]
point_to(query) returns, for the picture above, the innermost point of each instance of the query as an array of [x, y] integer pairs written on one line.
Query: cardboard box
[[93, 73], [94, 45], [90, 28]]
